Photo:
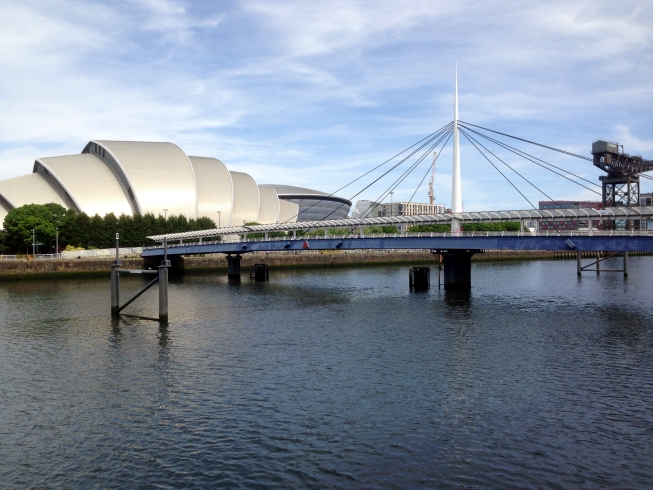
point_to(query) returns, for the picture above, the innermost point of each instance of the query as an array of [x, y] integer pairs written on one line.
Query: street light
[[165, 214], [33, 242], [219, 214], [56, 248]]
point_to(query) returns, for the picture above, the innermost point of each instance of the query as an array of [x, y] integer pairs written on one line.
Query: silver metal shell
[[215, 190], [246, 199], [89, 183]]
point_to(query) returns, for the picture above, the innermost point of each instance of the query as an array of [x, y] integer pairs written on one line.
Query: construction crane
[[621, 185], [431, 194]]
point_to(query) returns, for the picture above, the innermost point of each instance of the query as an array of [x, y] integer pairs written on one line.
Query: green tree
[[381, 229], [44, 219], [505, 226]]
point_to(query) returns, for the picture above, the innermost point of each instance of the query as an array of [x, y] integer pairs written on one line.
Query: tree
[[42, 218]]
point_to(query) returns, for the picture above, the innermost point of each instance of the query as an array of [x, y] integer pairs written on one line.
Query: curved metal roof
[[475, 217], [215, 190], [288, 211], [294, 192], [269, 207], [88, 182], [246, 199], [31, 189], [159, 175]]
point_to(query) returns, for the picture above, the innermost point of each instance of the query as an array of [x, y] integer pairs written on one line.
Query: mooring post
[[598, 262], [163, 294], [163, 284], [115, 281], [579, 270], [625, 264]]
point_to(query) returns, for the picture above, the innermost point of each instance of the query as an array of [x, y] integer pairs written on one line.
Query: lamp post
[[33, 242], [165, 220], [56, 248], [219, 215]]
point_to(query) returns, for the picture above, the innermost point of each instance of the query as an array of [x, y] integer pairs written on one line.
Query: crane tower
[[431, 194], [621, 185]]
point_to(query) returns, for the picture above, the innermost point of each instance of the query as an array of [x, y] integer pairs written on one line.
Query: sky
[[317, 93]]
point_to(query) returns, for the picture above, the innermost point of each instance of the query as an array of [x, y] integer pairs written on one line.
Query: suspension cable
[[407, 172], [509, 181], [486, 149], [531, 142], [394, 185], [522, 153], [429, 169], [388, 171], [430, 137]]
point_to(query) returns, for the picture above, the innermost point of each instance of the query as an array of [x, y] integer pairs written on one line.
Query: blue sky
[[316, 93]]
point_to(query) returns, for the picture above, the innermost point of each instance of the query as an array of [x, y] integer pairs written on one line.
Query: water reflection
[[332, 379]]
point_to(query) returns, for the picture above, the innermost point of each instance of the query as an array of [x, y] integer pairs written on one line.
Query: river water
[[332, 379]]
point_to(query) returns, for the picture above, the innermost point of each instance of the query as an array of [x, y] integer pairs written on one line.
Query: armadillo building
[[133, 177]]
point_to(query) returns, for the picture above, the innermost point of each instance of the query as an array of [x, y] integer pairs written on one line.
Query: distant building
[[367, 209], [411, 209], [568, 224], [646, 199]]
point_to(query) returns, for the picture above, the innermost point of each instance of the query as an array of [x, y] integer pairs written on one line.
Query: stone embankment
[[26, 269]]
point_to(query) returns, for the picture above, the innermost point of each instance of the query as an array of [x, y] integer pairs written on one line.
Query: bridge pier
[[458, 269], [233, 266]]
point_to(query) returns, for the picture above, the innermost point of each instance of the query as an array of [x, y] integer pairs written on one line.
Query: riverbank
[[85, 267]]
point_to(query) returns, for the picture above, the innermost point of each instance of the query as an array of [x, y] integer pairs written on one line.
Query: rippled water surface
[[332, 379]]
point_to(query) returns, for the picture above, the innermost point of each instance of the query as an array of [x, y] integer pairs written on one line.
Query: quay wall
[[26, 269]]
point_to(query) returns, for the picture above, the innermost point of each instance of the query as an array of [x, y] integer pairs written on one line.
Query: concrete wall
[[25, 269]]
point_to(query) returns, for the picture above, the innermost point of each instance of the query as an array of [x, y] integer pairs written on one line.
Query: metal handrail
[[541, 233]]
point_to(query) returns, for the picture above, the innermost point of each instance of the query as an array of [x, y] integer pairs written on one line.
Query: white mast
[[431, 194], [456, 186]]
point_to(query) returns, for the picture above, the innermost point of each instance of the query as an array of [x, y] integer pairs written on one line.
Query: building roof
[[246, 199], [269, 208], [154, 172], [215, 190], [88, 182], [32, 188], [294, 192]]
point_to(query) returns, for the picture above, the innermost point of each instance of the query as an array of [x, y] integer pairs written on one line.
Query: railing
[[541, 233], [7, 257]]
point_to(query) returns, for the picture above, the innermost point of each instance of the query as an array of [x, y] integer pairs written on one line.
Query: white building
[[135, 177]]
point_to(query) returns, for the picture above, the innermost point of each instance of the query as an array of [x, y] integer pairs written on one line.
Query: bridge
[[456, 247], [620, 205]]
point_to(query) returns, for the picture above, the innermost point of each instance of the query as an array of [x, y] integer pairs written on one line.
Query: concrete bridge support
[[233, 266], [458, 269]]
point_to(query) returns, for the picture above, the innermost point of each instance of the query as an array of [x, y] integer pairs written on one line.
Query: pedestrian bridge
[[455, 248], [588, 215]]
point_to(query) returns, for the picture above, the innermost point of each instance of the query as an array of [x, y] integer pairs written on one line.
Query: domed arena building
[[134, 177]]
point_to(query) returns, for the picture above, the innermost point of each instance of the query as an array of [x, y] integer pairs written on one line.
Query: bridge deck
[[603, 242], [582, 214]]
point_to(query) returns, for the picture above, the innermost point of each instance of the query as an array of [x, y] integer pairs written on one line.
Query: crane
[[621, 185], [431, 195]]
